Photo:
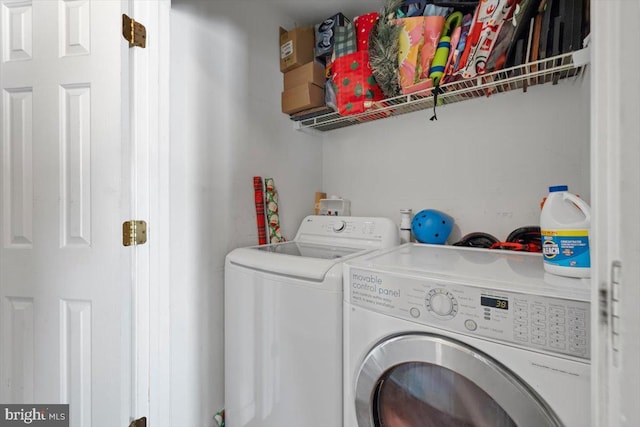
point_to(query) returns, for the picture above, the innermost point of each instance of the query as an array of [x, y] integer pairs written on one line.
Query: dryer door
[[423, 380]]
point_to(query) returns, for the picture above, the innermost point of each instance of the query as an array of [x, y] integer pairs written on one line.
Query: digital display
[[494, 303]]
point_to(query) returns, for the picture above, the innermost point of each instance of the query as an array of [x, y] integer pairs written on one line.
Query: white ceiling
[[315, 11], [302, 12]]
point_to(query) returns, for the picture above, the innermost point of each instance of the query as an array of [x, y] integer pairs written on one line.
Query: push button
[[470, 325]]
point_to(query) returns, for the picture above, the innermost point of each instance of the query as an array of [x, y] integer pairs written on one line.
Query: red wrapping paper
[[364, 25], [356, 88], [259, 201]]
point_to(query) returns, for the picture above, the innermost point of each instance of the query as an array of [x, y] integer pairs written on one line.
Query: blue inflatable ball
[[431, 226]]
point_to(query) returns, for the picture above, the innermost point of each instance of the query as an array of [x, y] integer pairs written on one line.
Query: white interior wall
[[226, 127], [487, 162], [489, 171]]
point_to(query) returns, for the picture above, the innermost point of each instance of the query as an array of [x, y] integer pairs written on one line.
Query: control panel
[[347, 230], [353, 227], [551, 324]]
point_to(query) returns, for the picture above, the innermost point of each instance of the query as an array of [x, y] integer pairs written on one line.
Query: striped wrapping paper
[[259, 201]]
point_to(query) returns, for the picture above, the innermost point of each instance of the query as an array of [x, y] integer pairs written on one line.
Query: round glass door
[[421, 394], [431, 381]]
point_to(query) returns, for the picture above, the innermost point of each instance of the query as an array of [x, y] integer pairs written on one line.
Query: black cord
[[436, 92]]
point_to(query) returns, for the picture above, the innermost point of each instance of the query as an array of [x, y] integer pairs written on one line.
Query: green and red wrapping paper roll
[[273, 219]]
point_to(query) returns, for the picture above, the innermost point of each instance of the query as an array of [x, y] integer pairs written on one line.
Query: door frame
[[149, 133], [604, 113], [615, 190]]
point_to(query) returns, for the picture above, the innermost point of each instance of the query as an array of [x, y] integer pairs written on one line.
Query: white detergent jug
[[565, 222]]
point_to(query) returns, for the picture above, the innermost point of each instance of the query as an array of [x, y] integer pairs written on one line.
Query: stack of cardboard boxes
[[304, 77]]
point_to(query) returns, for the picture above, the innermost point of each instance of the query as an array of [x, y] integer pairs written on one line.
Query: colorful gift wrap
[[487, 23], [375, 110], [415, 8], [355, 87], [345, 41], [464, 33], [325, 35], [422, 88], [364, 25], [431, 36], [273, 219], [448, 69], [410, 43]]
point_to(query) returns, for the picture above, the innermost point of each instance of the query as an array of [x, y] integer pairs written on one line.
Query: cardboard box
[[302, 97], [296, 47], [313, 72]]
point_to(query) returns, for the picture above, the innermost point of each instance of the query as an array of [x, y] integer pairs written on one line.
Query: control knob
[[339, 226], [441, 303]]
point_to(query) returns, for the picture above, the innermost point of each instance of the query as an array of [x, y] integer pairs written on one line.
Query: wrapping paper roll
[[316, 206], [273, 219], [259, 201]]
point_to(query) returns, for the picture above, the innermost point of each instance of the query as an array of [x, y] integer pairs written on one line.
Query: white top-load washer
[[451, 336], [283, 322]]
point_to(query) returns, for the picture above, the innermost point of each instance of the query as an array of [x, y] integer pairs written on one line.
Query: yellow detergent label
[[566, 248], [568, 233]]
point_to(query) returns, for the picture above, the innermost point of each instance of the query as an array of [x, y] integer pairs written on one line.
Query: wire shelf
[[549, 70]]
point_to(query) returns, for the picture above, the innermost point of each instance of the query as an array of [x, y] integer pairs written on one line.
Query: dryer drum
[[426, 380]]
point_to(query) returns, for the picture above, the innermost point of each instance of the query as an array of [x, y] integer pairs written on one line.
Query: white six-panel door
[[65, 278]]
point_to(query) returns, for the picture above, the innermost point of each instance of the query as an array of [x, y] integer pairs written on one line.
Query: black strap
[[436, 92]]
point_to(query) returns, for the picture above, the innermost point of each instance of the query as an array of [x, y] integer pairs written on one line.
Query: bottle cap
[[558, 188]]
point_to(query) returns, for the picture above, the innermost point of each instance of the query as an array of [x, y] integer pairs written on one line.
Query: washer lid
[[304, 260], [496, 269], [308, 250], [321, 243]]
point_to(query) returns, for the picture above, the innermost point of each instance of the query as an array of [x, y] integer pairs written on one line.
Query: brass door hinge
[[134, 32], [134, 233], [140, 422]]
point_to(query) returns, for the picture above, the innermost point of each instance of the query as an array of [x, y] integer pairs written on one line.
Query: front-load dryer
[[448, 336], [283, 323]]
